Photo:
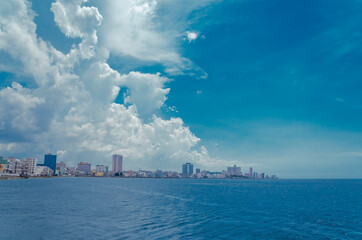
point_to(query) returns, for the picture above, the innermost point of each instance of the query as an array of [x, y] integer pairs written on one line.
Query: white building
[[29, 165], [117, 161], [43, 171], [14, 166]]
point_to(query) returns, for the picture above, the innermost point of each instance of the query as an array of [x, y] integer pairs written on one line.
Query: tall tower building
[[51, 162], [187, 169], [117, 161], [251, 172]]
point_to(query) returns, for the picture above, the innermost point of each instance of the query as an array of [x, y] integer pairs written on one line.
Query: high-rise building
[[29, 165], [50, 161], [198, 170], [84, 167], [187, 169], [236, 171], [250, 172], [117, 161]]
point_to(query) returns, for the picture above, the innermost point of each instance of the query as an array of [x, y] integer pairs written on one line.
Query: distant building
[[14, 166], [29, 165], [43, 171], [234, 171], [51, 162], [84, 167], [117, 161], [3, 164], [101, 171], [187, 169], [61, 168], [198, 170], [61, 165], [251, 172]]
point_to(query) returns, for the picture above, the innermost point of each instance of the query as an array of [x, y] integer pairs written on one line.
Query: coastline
[[18, 177]]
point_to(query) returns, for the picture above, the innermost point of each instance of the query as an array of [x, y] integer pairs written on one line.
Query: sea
[[135, 208]]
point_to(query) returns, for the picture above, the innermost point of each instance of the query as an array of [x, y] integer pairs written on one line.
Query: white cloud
[[17, 39], [129, 29], [191, 36], [18, 106], [147, 91], [149, 31], [75, 20], [71, 109]]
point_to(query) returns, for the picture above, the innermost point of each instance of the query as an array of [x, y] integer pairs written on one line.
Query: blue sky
[[282, 92]]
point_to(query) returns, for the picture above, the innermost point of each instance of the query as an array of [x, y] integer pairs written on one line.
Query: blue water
[[115, 208]]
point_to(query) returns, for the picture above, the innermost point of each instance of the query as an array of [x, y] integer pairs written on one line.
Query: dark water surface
[[115, 208]]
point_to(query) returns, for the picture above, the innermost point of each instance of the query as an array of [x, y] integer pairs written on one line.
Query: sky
[[273, 85]]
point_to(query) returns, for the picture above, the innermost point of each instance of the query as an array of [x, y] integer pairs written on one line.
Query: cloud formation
[[71, 110], [191, 36]]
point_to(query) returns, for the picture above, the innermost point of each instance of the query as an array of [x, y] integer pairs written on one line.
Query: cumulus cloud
[[147, 91], [19, 107], [71, 110], [129, 30], [75, 20], [149, 31], [18, 41]]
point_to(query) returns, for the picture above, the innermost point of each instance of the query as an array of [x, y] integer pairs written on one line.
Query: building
[[61, 165], [29, 165], [51, 162], [187, 169], [117, 161], [84, 167], [198, 170], [3, 165], [43, 171], [61, 168], [14, 166], [250, 172], [101, 171], [234, 171]]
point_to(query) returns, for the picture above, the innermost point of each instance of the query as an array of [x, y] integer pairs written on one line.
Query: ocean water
[[118, 208]]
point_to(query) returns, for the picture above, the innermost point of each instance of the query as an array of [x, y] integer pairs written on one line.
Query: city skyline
[[268, 85], [12, 167]]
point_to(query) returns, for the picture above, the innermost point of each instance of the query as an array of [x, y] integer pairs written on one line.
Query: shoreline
[[36, 177], [18, 177]]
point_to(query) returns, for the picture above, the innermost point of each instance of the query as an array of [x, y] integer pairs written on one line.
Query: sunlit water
[[116, 208]]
